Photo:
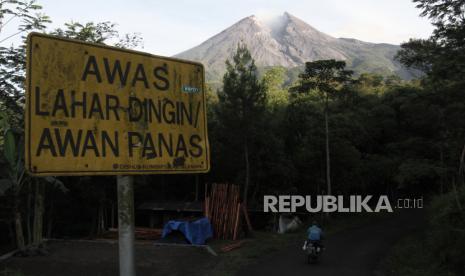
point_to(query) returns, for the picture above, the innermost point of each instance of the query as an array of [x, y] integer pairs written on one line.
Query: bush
[[446, 237], [438, 250]]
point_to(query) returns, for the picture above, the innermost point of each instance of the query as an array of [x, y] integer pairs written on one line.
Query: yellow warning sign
[[98, 110]]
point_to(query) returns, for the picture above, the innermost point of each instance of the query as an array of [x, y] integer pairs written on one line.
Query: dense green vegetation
[[273, 135], [438, 249]]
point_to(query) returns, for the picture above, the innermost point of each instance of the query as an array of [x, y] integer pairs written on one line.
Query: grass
[[412, 256], [409, 257], [10, 272], [438, 249]]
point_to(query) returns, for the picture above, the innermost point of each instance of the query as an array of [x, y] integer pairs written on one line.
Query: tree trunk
[[18, 224], [93, 226], [256, 189], [29, 216], [38, 214], [112, 217], [100, 218], [11, 231], [328, 163], [441, 157], [456, 195], [50, 220], [247, 172]]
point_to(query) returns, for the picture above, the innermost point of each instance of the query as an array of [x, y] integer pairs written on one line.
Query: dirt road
[[72, 258], [355, 251]]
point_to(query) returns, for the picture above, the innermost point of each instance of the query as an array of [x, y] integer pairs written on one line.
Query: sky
[[169, 27]]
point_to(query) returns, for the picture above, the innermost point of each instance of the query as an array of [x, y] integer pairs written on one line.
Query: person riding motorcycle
[[314, 235]]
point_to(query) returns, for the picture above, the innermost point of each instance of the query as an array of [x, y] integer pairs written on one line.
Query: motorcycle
[[313, 251]]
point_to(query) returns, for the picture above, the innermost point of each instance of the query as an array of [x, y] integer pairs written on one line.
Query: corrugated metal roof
[[171, 206]]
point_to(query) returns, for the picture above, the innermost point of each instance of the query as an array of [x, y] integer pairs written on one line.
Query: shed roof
[[171, 206]]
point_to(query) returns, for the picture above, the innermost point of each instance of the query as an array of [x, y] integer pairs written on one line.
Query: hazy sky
[[172, 26]]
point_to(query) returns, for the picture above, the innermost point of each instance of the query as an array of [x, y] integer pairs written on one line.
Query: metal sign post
[[126, 225]]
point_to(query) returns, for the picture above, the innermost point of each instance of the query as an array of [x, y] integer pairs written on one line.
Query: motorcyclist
[[314, 235]]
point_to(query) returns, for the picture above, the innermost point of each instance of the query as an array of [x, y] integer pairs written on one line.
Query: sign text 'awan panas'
[[93, 109]]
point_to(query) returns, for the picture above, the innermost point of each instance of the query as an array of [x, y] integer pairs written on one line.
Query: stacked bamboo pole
[[223, 209]]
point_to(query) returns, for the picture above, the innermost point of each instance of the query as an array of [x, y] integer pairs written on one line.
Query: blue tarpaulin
[[196, 232]]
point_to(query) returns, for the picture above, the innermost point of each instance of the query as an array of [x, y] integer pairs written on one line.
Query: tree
[[12, 79], [28, 193], [442, 55], [241, 105], [12, 59], [326, 78], [370, 84], [101, 33], [12, 150], [25, 11], [273, 79]]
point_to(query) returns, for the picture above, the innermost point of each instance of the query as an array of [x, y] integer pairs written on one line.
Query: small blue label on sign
[[190, 89]]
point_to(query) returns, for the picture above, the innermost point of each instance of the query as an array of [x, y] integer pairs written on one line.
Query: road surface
[[355, 251]]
